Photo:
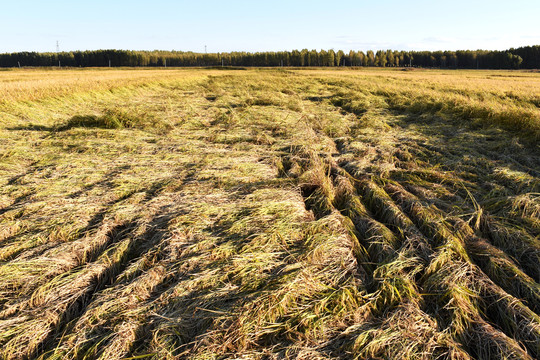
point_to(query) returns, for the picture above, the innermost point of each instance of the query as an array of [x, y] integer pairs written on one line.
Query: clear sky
[[230, 25]]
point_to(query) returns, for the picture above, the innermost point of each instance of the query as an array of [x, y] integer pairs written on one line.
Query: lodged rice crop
[[269, 214]]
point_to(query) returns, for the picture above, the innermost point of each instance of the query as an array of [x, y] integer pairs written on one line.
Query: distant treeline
[[521, 58]]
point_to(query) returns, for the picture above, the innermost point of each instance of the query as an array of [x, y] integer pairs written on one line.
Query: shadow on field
[[81, 121], [138, 246], [318, 99], [206, 313], [14, 180], [32, 127], [111, 119], [181, 322], [480, 149]]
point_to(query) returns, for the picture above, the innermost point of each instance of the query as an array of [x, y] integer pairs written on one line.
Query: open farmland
[[269, 214]]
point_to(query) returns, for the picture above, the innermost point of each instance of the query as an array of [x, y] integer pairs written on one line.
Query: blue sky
[[230, 25]]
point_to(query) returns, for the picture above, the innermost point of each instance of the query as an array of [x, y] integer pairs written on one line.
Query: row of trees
[[524, 57]]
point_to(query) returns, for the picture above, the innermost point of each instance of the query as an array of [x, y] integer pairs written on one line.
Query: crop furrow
[[380, 242], [518, 244], [113, 322], [67, 296], [501, 269], [453, 283], [117, 319], [27, 276], [62, 299], [508, 307], [399, 264]]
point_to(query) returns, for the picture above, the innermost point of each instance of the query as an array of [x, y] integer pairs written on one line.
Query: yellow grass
[[269, 214]]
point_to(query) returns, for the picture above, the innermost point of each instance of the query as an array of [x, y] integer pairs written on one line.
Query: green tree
[[340, 57], [331, 57], [313, 58], [380, 58], [389, 57], [370, 58]]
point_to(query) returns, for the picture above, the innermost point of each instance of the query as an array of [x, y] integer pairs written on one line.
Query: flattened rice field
[[269, 214]]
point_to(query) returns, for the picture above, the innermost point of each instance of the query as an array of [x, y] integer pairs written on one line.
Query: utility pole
[[205, 49], [109, 63], [165, 62], [58, 51]]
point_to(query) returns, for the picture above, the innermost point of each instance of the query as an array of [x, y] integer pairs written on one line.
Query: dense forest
[[521, 58]]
